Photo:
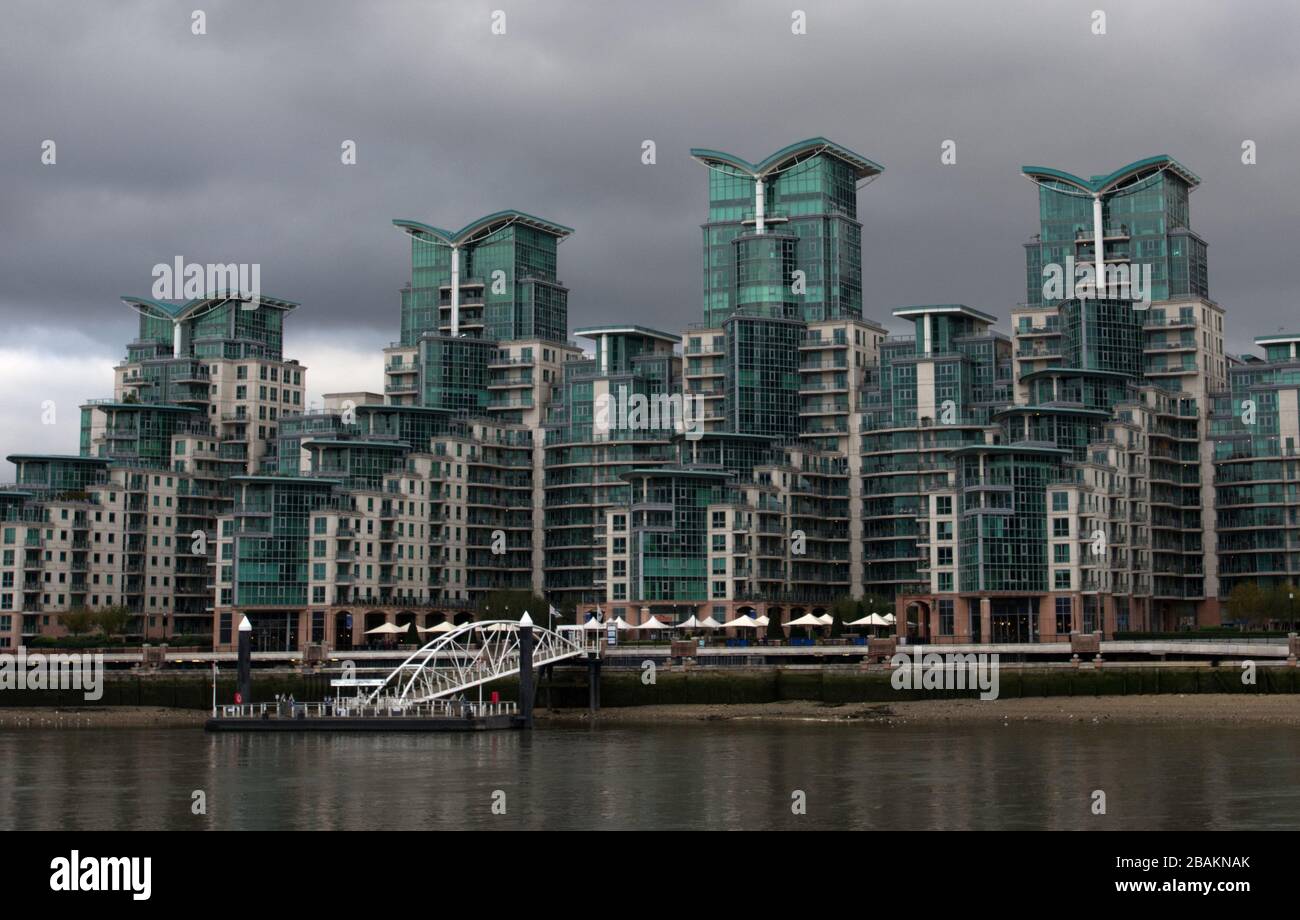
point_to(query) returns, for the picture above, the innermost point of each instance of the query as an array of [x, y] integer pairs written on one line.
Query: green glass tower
[[495, 278], [783, 239], [1136, 214], [590, 445], [668, 530], [935, 391], [1255, 428], [762, 368]]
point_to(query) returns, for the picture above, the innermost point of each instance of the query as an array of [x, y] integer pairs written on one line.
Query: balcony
[[512, 362], [1107, 233], [1170, 322], [813, 342]]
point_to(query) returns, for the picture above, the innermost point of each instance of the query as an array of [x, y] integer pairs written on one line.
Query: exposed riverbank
[[101, 717], [1204, 708], [1189, 709]]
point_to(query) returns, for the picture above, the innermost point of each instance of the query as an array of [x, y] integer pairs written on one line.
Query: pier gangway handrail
[[454, 663]]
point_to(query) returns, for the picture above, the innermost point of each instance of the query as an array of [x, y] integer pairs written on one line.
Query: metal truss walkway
[[470, 655]]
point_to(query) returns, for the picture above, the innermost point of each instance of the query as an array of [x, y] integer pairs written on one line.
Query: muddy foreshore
[[1186, 709], [101, 717]]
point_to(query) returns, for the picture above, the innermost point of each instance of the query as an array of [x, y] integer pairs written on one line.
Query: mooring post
[[526, 669], [245, 662], [593, 683]]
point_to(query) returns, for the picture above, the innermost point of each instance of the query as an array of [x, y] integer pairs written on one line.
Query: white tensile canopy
[[872, 619], [890, 619], [745, 621], [622, 623], [443, 627], [762, 621], [709, 623], [692, 623], [593, 625], [653, 623], [386, 629], [826, 619], [806, 620]]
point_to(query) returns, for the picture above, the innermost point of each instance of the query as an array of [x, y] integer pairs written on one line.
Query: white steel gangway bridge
[[461, 660], [428, 691]]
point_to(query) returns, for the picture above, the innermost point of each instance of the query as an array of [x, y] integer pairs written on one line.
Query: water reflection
[[691, 776]]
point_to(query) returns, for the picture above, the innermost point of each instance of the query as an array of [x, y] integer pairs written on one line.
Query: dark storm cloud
[[225, 147]]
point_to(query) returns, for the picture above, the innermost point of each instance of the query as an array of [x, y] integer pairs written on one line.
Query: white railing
[[470, 656], [384, 708]]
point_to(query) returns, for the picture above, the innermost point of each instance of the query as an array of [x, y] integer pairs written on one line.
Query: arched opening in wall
[[343, 630], [373, 619], [918, 620]]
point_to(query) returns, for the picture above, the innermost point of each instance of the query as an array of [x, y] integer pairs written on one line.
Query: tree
[[877, 604], [1280, 603], [844, 610], [1248, 604], [114, 621], [78, 621], [510, 604], [774, 630]]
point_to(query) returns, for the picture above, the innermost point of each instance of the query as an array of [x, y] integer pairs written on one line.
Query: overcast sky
[[226, 147]]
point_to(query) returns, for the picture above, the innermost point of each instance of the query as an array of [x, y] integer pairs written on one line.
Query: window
[[945, 617], [1060, 527], [1060, 501], [1061, 553], [943, 504], [1064, 615]]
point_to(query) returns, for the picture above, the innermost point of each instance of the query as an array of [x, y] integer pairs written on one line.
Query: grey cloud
[[226, 146]]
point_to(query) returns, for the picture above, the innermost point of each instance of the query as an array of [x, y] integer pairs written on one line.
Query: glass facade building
[[505, 268], [783, 238], [1255, 428], [1106, 467], [1145, 220]]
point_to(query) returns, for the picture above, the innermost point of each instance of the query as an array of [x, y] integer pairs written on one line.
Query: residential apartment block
[[1103, 465]]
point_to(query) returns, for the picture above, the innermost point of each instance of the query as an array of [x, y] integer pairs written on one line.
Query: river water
[[690, 776]]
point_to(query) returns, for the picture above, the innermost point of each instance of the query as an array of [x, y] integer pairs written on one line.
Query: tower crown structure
[[494, 278], [783, 239], [1136, 216]]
